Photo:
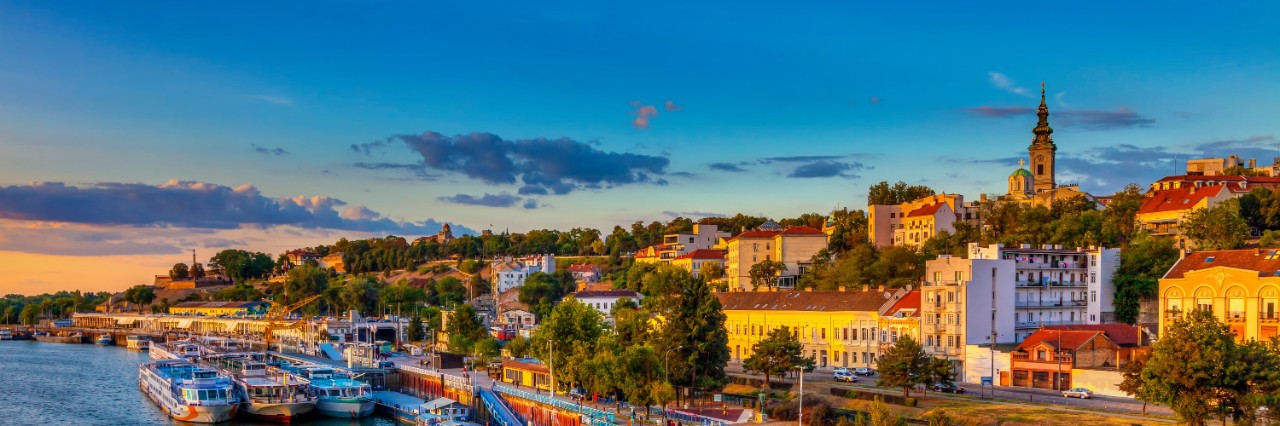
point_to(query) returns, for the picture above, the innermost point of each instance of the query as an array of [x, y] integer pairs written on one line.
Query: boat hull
[[345, 409], [103, 342], [281, 412]]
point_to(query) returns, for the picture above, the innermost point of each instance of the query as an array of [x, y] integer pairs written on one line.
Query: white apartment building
[[509, 273], [1003, 294], [703, 237]]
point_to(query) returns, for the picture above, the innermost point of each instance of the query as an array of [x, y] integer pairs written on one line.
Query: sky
[[133, 134]]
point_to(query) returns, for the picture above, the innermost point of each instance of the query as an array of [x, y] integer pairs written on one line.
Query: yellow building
[[887, 223], [1240, 287], [213, 309], [694, 261], [1162, 210], [651, 254], [900, 317], [793, 246], [837, 328]]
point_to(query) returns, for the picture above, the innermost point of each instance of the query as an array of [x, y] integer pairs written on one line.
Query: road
[[1105, 404]]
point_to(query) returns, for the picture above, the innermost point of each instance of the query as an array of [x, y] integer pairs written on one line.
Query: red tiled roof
[[1222, 178], [928, 210], [703, 254], [1070, 339], [827, 301], [643, 253], [911, 300], [1248, 259], [1121, 334], [802, 230], [754, 234], [613, 294], [1177, 199]]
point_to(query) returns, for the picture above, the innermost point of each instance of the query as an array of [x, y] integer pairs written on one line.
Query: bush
[[869, 396], [816, 411], [758, 382]]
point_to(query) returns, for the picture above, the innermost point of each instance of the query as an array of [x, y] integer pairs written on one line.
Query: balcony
[[943, 351], [941, 282], [1037, 324], [1269, 317], [1051, 303], [1063, 358], [1172, 314], [1235, 316]]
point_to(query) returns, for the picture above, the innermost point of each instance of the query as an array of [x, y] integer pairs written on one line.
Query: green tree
[[1132, 383], [898, 193], [1142, 263], [30, 314], [140, 295], [197, 270], [541, 292], [417, 332], [1270, 239], [1191, 368], [1238, 170], [765, 273], [1217, 228], [904, 365], [711, 271], [776, 354], [694, 328], [465, 329], [517, 347], [304, 281], [179, 271]]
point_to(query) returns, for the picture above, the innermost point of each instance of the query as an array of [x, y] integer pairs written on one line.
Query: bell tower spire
[[1042, 148]]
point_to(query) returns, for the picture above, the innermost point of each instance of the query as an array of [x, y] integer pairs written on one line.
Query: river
[[49, 384]]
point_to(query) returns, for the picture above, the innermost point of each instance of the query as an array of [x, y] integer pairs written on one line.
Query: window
[[1040, 169], [959, 276], [937, 276], [1094, 295]]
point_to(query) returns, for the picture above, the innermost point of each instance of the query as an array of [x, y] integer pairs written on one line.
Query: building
[[836, 328], [1046, 358], [703, 237], [510, 273], [334, 260], [900, 316], [603, 300], [513, 314], [1038, 185], [1057, 285], [1216, 166], [444, 236], [299, 257], [1239, 183], [1132, 340], [1240, 287], [793, 246], [1164, 209], [694, 261], [888, 224], [213, 309], [585, 272]]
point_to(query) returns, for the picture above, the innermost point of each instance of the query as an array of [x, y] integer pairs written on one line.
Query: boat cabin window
[[205, 375]]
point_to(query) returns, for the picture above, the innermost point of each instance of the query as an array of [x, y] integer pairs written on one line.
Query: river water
[[49, 384]]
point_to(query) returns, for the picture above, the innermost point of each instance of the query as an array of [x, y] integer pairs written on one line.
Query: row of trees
[[28, 310]]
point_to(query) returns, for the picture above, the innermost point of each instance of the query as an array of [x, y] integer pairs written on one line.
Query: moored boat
[[6, 334], [137, 343], [74, 337], [175, 350], [275, 395], [103, 339], [338, 396], [188, 392]]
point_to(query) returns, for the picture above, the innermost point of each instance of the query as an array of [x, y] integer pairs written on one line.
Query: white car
[[1081, 393], [845, 376]]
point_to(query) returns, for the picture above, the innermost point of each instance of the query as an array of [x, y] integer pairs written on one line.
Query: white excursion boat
[[272, 394], [188, 392], [6, 334], [338, 396], [103, 339], [137, 343], [175, 350]]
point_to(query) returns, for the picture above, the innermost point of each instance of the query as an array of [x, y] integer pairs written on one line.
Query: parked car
[[845, 376], [948, 388], [1081, 393], [864, 371], [844, 369]]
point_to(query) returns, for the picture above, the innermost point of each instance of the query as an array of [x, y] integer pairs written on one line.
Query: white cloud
[[1004, 82]]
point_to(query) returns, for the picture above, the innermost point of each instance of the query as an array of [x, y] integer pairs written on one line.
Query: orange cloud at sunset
[[26, 273]]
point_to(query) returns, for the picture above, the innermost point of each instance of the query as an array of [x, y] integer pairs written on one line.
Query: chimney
[[1253, 163], [840, 288], [808, 289], [865, 287], [880, 287]]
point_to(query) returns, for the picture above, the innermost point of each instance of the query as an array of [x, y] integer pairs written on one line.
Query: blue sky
[[811, 103]]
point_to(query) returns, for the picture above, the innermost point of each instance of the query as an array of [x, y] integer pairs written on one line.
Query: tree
[[417, 332], [776, 354], [305, 280], [900, 192], [140, 295], [30, 314], [179, 271], [465, 329], [1189, 367], [904, 365], [571, 327], [765, 273], [197, 270], [1239, 170], [1216, 228], [541, 292], [517, 347], [1142, 263], [1132, 383], [711, 271], [694, 329]]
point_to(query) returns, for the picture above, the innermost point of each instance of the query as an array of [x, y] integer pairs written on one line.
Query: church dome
[[1020, 172], [769, 226]]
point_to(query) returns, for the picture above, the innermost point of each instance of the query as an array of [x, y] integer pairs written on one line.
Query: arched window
[[1039, 169]]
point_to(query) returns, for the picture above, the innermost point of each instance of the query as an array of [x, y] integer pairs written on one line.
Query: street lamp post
[[800, 409]]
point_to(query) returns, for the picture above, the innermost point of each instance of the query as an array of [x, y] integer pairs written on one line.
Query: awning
[[186, 323], [126, 321]]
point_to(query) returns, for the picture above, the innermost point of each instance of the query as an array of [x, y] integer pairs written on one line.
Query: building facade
[[887, 225], [1240, 287], [836, 328], [604, 300], [899, 317], [1045, 359], [509, 273], [1163, 210], [213, 309], [694, 261], [794, 247], [1057, 285]]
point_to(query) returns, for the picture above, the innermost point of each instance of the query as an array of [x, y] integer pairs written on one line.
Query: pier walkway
[[502, 415]]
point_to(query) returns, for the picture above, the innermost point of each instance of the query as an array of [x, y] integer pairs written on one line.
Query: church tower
[[1042, 149]]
